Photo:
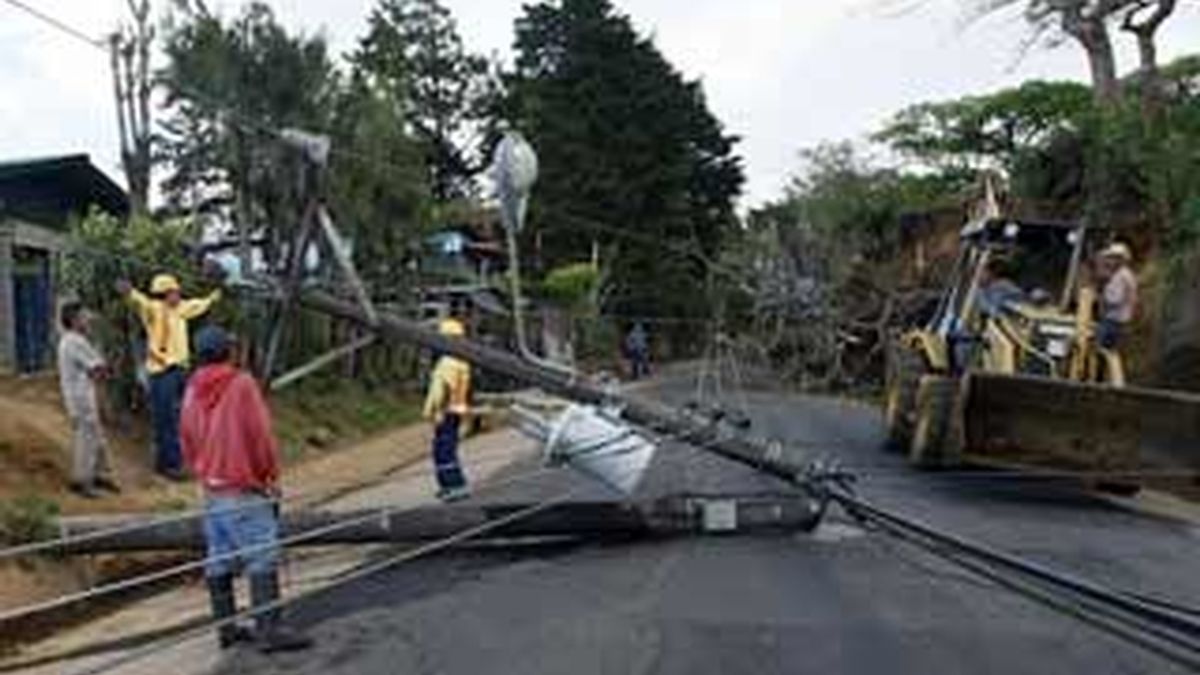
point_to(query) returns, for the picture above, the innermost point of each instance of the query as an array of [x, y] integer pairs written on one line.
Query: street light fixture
[[515, 170]]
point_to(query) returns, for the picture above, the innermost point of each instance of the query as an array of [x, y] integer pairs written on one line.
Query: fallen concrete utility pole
[[734, 444], [676, 515]]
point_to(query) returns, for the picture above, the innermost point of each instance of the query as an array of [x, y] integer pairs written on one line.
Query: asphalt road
[[840, 600]]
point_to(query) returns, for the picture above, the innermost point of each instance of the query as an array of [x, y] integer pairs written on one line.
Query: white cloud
[[783, 74]]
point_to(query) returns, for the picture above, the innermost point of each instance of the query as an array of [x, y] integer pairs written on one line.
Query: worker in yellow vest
[[447, 403], [165, 314]]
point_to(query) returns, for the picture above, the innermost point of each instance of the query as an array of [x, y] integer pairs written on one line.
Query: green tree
[[412, 52], [379, 191], [824, 263], [1037, 133], [230, 87], [632, 160], [103, 249], [1087, 22]]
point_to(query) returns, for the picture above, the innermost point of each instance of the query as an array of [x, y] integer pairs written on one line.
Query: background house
[[38, 198]]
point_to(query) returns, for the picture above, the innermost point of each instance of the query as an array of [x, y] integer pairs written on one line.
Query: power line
[[171, 572], [355, 575], [368, 569], [161, 639], [317, 497], [57, 24]]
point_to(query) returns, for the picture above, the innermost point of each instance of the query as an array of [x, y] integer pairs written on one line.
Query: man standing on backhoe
[[446, 404], [1118, 297], [165, 315]]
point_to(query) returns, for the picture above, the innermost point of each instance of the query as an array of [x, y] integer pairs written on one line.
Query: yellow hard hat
[[163, 283], [451, 328]]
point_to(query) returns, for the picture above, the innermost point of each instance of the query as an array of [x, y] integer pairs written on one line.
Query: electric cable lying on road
[[67, 540], [351, 576], [1169, 632], [359, 573], [162, 575]]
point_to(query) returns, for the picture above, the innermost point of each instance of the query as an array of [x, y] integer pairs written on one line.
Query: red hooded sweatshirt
[[225, 431]]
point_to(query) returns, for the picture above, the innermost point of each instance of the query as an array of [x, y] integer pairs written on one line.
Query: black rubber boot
[[272, 634], [224, 607]]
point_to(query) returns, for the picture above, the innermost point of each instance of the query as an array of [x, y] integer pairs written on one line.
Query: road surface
[[841, 600]]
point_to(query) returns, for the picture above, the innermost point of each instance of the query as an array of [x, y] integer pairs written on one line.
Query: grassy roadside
[[321, 414]]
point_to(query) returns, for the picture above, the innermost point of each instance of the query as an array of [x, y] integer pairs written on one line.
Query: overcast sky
[[782, 74]]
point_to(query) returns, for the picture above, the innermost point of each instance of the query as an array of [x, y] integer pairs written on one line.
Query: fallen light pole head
[[600, 445]]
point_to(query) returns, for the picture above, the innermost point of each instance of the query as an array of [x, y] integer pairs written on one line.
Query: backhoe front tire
[[933, 439], [904, 371]]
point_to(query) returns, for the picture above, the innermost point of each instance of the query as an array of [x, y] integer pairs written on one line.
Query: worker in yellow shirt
[[165, 314], [446, 404]]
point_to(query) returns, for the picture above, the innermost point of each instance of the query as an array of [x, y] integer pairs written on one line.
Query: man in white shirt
[[80, 366], [1118, 297]]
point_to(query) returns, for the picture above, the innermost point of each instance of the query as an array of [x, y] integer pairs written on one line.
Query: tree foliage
[[230, 86], [631, 158], [413, 55], [104, 249], [824, 259]]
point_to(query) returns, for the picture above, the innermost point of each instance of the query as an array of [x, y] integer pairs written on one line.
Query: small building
[[464, 264], [38, 198]]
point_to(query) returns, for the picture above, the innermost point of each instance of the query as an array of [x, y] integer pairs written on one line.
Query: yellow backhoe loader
[[1008, 373]]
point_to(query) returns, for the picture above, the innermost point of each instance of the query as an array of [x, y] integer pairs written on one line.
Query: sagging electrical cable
[[177, 570], [1172, 634], [352, 576], [159, 634], [312, 496], [160, 520], [349, 577]]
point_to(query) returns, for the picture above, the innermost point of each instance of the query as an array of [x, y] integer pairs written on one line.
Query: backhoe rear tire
[[933, 439], [905, 368]]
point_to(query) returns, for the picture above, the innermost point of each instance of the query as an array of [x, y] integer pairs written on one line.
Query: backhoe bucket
[[1029, 421]]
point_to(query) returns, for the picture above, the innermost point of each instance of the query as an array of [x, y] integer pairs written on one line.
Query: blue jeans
[[240, 522], [445, 453], [1108, 333], [166, 395]]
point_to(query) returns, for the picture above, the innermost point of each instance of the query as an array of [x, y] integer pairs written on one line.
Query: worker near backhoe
[[165, 314], [636, 347], [229, 446], [80, 367], [447, 403], [1118, 295], [996, 289]]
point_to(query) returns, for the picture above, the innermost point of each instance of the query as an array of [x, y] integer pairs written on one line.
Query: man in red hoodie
[[225, 432]]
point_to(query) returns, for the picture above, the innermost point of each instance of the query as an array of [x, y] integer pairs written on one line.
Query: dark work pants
[[445, 453], [166, 395], [1108, 333]]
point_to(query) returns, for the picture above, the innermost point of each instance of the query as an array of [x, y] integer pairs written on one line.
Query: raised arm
[[190, 309], [139, 301]]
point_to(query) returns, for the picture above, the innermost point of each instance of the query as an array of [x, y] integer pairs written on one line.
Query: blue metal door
[[31, 296]]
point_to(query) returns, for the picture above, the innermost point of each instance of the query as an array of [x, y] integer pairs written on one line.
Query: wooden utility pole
[[129, 54], [766, 456]]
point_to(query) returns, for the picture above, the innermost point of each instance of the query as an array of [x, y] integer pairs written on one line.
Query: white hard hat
[[1117, 250]]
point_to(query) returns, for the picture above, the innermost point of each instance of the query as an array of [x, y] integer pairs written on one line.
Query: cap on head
[[162, 284], [1117, 250], [212, 344], [451, 328]]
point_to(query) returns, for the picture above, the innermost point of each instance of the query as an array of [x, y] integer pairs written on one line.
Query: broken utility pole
[[695, 428], [675, 515]]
